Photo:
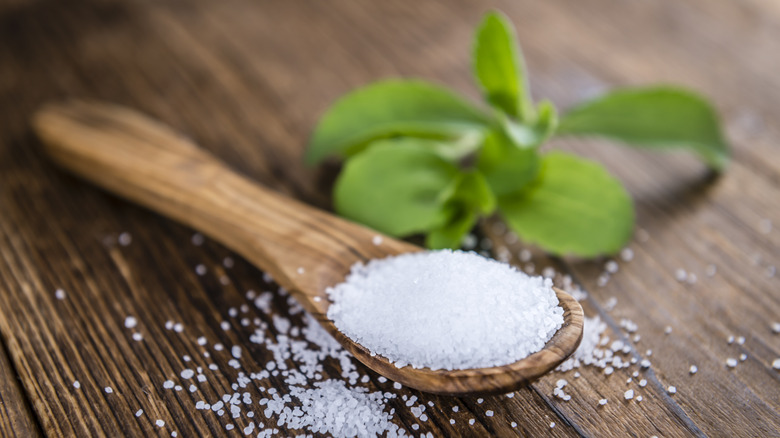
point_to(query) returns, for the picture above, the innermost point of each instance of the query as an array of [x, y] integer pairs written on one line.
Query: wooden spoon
[[304, 249]]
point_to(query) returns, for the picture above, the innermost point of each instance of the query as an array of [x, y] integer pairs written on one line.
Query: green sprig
[[421, 159]]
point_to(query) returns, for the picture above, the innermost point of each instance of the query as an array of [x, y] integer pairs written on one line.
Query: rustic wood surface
[[247, 80]]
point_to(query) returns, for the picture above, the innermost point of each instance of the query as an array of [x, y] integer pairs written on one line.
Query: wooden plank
[[248, 80], [16, 418]]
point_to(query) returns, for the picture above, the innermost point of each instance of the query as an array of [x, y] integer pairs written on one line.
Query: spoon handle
[[128, 154]]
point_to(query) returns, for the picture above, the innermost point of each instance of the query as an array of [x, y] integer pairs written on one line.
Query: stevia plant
[[421, 159]]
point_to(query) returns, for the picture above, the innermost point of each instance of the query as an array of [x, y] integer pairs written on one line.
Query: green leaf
[[506, 167], [399, 187], [574, 206], [531, 135], [392, 108], [656, 117], [473, 192], [451, 234], [499, 67]]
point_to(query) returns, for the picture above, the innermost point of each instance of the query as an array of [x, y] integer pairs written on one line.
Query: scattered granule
[[377, 240], [224, 280], [489, 413], [645, 363], [639, 398], [125, 239], [235, 351], [628, 395], [456, 297], [229, 427], [471, 422], [602, 402], [610, 304], [168, 384], [480, 400], [455, 409], [552, 424], [643, 383], [108, 389], [512, 394], [187, 373], [200, 270], [693, 369], [776, 364], [139, 412], [671, 390], [742, 357], [611, 267], [741, 340], [76, 384], [627, 254], [300, 270], [730, 340], [138, 337], [130, 322], [178, 327], [668, 330], [731, 362], [680, 275], [59, 294], [159, 423], [513, 424], [174, 434], [197, 239], [692, 278], [228, 262], [452, 421]]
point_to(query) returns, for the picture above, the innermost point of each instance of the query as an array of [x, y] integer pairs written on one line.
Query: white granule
[[59, 294], [331, 407], [455, 409], [741, 340], [178, 327], [643, 383], [377, 240], [130, 322], [602, 402], [138, 337], [200, 270], [76, 384], [480, 400], [489, 413], [611, 267], [197, 239], [445, 310], [301, 271], [159, 423], [168, 384], [125, 239], [671, 390], [174, 434], [187, 374], [552, 424], [742, 357], [513, 424], [681, 275], [471, 422], [693, 369], [731, 362], [108, 389], [776, 364], [668, 330], [628, 395], [236, 351], [627, 254], [228, 262], [139, 412]]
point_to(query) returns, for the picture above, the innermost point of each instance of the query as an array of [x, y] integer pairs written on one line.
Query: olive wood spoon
[[305, 249]]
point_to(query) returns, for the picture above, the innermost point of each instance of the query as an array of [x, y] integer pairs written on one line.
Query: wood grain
[[247, 80]]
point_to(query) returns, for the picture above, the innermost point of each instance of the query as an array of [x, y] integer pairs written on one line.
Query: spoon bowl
[[304, 249]]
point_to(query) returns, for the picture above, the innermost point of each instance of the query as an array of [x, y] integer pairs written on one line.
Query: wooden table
[[247, 80]]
